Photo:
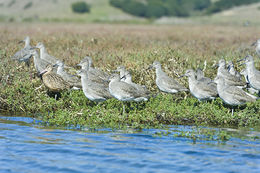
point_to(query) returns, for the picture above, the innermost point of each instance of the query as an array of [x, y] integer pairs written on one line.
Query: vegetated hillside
[[59, 10], [180, 8]]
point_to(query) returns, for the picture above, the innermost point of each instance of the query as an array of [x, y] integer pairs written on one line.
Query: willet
[[54, 82], [126, 77], [24, 53], [232, 95], [125, 92], [229, 78], [200, 76], [44, 54], [257, 49], [200, 89], [94, 77], [93, 91], [164, 82], [73, 80], [87, 61], [231, 70], [250, 89], [253, 74], [39, 63]]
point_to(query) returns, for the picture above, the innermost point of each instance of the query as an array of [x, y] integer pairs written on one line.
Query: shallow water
[[27, 146]]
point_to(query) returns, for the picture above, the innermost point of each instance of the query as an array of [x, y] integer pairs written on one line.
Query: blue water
[[26, 146]]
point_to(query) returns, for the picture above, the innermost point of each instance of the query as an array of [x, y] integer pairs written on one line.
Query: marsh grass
[[136, 47]]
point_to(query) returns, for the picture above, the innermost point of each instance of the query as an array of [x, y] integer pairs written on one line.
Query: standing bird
[[253, 75], [200, 76], [231, 69], [87, 61], [229, 78], [24, 54], [250, 89], [93, 91], [232, 95], [92, 75], [164, 82], [54, 82], [44, 54], [125, 76], [201, 89], [125, 92], [71, 79], [39, 64], [257, 49]]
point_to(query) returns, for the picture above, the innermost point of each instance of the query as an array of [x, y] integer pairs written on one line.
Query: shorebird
[[200, 89], [229, 78], [250, 89], [92, 75], [232, 95], [125, 76], [71, 79], [87, 61], [39, 63], [231, 70], [44, 54], [253, 75], [24, 54], [54, 82], [257, 49], [125, 92], [164, 82], [93, 91], [200, 76]]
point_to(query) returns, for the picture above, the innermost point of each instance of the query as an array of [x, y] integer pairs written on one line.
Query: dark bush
[[80, 7]]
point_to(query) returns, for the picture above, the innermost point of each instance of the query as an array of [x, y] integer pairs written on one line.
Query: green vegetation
[[136, 47], [80, 7], [181, 8], [223, 5], [28, 5]]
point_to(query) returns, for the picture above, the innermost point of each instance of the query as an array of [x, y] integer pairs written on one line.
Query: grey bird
[[73, 80], [93, 91], [253, 75], [229, 78], [200, 76], [200, 89], [250, 89], [93, 76], [232, 95], [164, 82], [88, 61], [257, 49], [44, 54], [126, 77], [39, 63], [23, 55], [231, 69], [125, 92]]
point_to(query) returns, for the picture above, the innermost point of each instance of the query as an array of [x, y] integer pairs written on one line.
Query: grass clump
[[136, 47]]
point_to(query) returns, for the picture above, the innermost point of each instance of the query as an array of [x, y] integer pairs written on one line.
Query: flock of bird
[[99, 86]]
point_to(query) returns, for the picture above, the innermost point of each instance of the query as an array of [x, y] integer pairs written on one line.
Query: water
[[27, 146]]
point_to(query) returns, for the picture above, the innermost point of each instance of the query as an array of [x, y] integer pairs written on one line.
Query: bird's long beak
[[123, 77], [215, 66], [44, 71], [253, 44], [20, 41]]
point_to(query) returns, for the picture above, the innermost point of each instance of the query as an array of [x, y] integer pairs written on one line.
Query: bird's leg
[[232, 111], [55, 96], [123, 108]]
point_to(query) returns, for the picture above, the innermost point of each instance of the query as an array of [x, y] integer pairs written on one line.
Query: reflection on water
[[27, 146]]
